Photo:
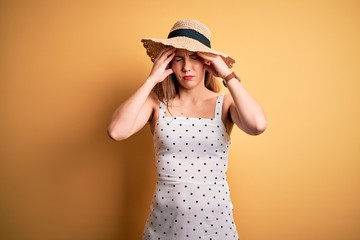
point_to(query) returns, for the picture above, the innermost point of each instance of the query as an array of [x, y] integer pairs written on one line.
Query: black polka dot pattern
[[192, 197]]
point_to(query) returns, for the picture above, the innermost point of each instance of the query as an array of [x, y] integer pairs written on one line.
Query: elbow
[[259, 128], [116, 136]]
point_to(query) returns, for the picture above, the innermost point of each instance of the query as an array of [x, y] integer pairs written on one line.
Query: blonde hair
[[169, 88]]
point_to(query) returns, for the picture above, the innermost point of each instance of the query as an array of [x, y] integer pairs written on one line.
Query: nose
[[187, 65]]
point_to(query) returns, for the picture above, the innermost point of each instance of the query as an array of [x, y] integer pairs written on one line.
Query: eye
[[194, 57], [177, 59]]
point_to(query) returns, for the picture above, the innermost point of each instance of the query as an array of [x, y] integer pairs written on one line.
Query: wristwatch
[[229, 77]]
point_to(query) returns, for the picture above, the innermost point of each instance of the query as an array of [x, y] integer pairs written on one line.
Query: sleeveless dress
[[191, 198]]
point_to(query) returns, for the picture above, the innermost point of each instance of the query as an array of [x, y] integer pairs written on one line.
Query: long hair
[[169, 88]]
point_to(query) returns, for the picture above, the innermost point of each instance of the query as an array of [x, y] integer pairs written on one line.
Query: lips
[[188, 77]]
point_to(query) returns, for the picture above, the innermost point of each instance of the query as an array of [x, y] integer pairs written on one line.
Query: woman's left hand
[[215, 64]]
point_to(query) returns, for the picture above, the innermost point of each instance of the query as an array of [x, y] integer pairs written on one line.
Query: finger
[[169, 71], [166, 74], [169, 58], [168, 53], [162, 52]]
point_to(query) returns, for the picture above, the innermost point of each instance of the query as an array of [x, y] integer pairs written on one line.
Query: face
[[188, 68]]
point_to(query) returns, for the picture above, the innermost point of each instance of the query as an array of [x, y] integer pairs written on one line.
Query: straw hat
[[191, 35]]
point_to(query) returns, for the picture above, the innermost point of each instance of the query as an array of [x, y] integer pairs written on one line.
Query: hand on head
[[214, 64], [160, 69]]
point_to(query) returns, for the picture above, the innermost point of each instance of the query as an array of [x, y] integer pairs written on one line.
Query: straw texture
[[153, 46]]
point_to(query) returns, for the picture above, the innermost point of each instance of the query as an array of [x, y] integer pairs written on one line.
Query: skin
[[193, 99]]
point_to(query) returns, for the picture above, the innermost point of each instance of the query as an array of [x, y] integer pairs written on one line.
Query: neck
[[192, 96]]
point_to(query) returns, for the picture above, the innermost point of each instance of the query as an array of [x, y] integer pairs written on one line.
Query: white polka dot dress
[[192, 198]]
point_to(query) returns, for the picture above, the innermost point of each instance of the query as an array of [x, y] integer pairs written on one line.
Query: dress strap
[[162, 110], [218, 107]]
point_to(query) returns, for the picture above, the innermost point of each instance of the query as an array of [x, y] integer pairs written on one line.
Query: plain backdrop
[[66, 65]]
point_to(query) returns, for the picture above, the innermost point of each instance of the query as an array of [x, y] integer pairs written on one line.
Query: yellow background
[[66, 65]]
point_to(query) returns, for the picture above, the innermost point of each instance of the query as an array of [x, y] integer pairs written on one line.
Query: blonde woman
[[191, 125]]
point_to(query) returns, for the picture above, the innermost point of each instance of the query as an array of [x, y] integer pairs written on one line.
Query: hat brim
[[154, 46]]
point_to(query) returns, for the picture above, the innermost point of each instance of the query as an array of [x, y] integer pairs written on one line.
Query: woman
[[191, 125]]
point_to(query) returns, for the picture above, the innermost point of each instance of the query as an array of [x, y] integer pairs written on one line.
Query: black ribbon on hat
[[190, 33]]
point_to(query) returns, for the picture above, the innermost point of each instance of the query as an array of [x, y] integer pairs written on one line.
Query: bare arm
[[244, 110], [135, 112]]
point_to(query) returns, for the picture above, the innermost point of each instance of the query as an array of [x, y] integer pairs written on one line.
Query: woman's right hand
[[160, 68]]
